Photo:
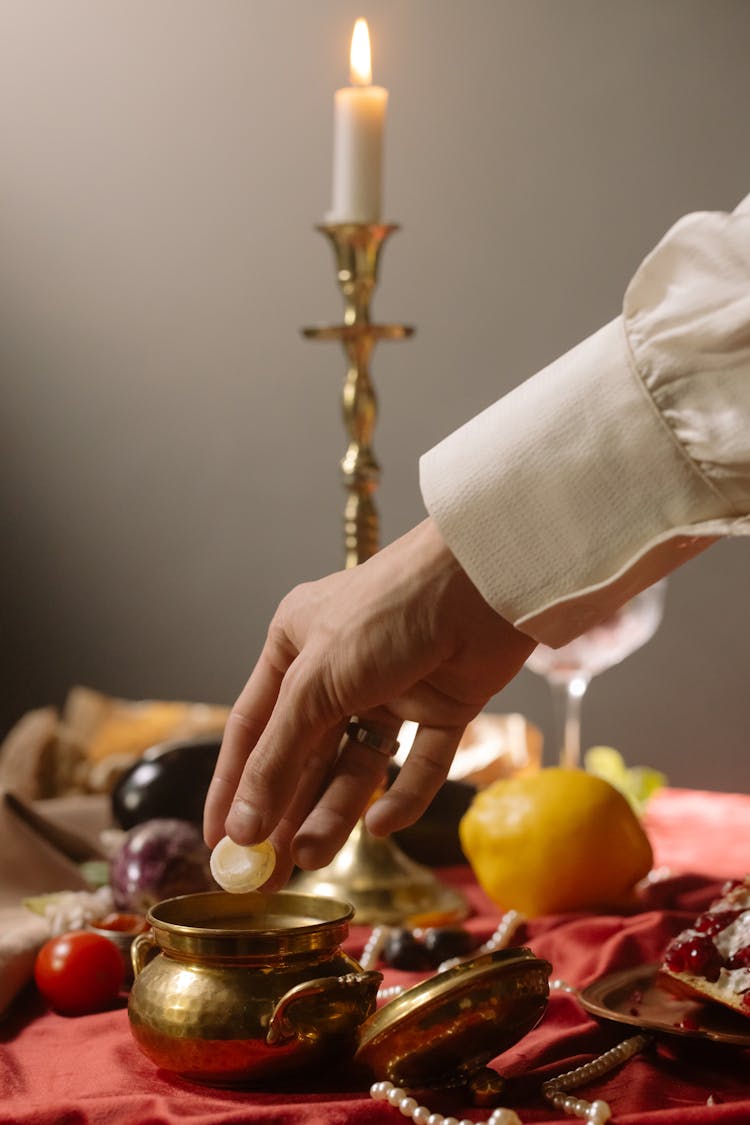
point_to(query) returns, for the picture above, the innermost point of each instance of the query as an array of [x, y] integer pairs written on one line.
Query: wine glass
[[569, 670]]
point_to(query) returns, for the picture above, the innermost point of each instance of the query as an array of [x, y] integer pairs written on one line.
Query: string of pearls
[[421, 1115], [373, 947], [555, 1090], [502, 936], [506, 929]]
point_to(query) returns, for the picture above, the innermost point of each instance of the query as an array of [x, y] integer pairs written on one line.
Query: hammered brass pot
[[234, 989]]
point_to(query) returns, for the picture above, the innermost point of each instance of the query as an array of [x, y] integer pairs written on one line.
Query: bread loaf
[[88, 746]]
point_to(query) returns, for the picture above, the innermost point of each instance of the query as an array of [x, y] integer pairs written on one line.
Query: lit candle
[[358, 125]]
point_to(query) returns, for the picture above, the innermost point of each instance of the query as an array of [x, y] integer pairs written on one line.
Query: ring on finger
[[366, 736]]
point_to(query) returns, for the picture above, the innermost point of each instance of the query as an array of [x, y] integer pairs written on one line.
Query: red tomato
[[79, 972]]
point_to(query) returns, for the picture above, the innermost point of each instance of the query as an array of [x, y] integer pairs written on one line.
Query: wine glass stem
[[568, 696]]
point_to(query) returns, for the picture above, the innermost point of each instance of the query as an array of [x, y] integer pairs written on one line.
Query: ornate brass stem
[[357, 248]]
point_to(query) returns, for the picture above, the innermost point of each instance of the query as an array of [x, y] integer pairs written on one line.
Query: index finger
[[247, 721], [297, 745]]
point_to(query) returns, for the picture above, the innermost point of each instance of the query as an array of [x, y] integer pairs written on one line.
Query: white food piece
[[238, 868]]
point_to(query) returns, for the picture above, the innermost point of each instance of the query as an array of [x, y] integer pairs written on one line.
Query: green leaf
[[637, 783], [39, 903]]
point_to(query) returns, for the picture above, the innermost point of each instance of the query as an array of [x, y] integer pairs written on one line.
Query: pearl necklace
[[499, 940], [555, 1090]]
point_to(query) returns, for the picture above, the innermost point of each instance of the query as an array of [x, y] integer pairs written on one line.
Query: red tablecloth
[[88, 1071]]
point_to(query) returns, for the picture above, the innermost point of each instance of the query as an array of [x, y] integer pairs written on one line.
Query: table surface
[[88, 1070]]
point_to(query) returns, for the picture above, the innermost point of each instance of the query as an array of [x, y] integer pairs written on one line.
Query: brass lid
[[446, 1029]]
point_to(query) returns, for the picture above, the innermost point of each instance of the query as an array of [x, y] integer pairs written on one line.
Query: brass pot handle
[[317, 1010], [143, 949]]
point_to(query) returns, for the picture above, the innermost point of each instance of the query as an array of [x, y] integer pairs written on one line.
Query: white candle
[[358, 126]]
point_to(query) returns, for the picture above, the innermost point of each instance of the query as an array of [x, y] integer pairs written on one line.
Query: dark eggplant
[[433, 839], [170, 780]]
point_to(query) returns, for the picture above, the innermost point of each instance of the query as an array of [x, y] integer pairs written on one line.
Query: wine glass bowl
[[570, 669]]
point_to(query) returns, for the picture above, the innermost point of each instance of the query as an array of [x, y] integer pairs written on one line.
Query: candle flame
[[360, 66]]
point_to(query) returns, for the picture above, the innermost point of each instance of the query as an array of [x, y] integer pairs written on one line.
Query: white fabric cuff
[[570, 493]]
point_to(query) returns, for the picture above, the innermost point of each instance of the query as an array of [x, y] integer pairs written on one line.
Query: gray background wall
[[170, 443]]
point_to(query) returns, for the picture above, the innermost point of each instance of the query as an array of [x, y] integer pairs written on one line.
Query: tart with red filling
[[711, 959]]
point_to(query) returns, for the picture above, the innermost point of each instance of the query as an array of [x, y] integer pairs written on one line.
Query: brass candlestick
[[383, 884], [357, 248]]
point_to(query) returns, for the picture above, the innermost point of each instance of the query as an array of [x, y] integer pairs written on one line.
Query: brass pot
[[235, 988]]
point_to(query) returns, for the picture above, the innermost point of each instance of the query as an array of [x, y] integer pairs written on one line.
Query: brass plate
[[641, 998], [444, 1030]]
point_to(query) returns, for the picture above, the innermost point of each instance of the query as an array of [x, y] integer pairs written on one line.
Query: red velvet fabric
[[88, 1070]]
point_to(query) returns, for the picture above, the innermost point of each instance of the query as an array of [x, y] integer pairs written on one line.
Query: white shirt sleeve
[[620, 460]]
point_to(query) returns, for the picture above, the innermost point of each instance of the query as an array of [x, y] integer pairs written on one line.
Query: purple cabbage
[[159, 859]]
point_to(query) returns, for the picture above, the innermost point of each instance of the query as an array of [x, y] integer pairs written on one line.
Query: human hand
[[404, 635]]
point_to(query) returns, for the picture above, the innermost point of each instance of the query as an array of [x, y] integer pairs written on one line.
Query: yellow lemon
[[554, 840]]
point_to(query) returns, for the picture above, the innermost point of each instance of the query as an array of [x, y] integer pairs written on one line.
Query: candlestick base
[[384, 885]]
